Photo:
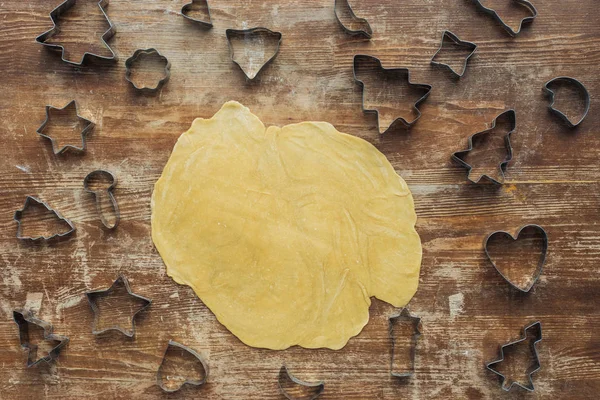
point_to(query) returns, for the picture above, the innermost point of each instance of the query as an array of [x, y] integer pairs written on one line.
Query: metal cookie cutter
[[512, 115], [361, 58], [194, 382], [19, 215], [416, 322], [94, 295], [342, 7], [536, 327], [541, 262], [185, 12], [87, 127], [55, 15], [510, 30], [99, 195], [23, 320], [460, 43], [248, 34], [580, 86], [144, 52], [310, 390]]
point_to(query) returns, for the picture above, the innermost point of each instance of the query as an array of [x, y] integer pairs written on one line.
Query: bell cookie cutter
[[537, 328], [541, 262], [512, 115], [94, 295], [342, 7], [185, 12], [87, 127], [460, 43], [99, 195], [550, 93], [313, 389], [362, 58], [194, 382], [26, 318], [19, 215], [55, 15], [416, 323], [136, 56], [509, 29], [246, 33]]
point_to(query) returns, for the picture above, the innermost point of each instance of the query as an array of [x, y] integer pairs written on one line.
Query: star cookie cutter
[[144, 52], [416, 322], [19, 215], [88, 126], [542, 233], [510, 30], [460, 43], [362, 58], [99, 195], [512, 115], [55, 15], [537, 327], [185, 12], [26, 318], [194, 382], [246, 33], [94, 295], [342, 7], [313, 389], [550, 93]]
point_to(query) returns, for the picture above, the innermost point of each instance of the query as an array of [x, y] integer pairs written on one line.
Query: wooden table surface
[[467, 309]]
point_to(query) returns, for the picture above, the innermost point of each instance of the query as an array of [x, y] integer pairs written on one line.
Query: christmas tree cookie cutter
[[24, 319], [19, 215]]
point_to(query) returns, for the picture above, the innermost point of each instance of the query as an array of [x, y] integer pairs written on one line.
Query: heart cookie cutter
[[193, 382], [185, 12], [541, 262], [285, 376], [251, 33]]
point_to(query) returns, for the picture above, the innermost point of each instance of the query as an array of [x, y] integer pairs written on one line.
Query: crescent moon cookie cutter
[[87, 127], [512, 116], [416, 323], [524, 3], [342, 6], [185, 13], [23, 320], [55, 16], [536, 365], [459, 43], [194, 382], [248, 33], [142, 53], [542, 261], [550, 93], [18, 216], [98, 195], [313, 389]]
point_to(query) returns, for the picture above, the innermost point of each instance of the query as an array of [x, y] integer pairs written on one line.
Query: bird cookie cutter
[[512, 115], [185, 12], [248, 33], [26, 318], [136, 56], [312, 389], [94, 295], [416, 322], [362, 58], [509, 29], [99, 195], [549, 92], [537, 327], [194, 382], [343, 7], [460, 43], [19, 215], [542, 233], [55, 15], [87, 127]]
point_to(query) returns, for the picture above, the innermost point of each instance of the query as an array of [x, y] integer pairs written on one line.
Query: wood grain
[[466, 307]]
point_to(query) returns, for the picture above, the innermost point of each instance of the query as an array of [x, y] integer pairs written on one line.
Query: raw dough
[[285, 233]]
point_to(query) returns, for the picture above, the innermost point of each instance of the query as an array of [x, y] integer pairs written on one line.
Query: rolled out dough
[[285, 233]]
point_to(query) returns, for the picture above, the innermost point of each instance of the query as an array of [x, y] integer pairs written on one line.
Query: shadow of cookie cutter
[[93, 296], [136, 55], [188, 7], [416, 322], [510, 30], [244, 33], [55, 15], [89, 125], [541, 262], [193, 382], [285, 375], [97, 196], [366, 31], [503, 165], [23, 320], [536, 365], [461, 43], [549, 92], [19, 215]]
